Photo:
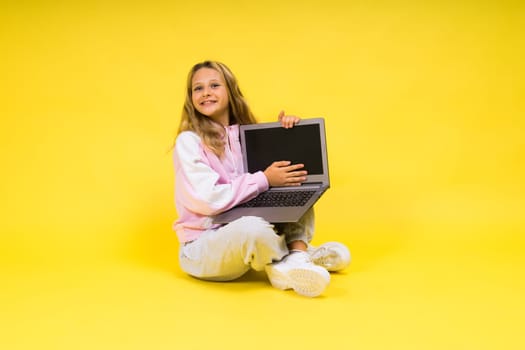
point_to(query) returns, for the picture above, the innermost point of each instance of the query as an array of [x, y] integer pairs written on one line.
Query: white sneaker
[[333, 256], [296, 271]]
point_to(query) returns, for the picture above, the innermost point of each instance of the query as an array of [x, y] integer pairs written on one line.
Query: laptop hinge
[[310, 185]]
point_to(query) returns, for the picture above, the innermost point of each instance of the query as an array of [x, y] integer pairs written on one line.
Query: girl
[[210, 179]]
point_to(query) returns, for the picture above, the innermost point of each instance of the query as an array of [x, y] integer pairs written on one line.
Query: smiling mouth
[[207, 102]]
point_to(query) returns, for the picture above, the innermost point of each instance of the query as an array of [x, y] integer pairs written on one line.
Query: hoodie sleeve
[[198, 184]]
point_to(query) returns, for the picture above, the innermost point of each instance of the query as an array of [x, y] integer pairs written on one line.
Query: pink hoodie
[[206, 185]]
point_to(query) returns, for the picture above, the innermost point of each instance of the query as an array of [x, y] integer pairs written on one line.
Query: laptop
[[264, 143]]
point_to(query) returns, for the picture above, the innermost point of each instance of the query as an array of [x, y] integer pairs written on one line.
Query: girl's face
[[210, 96]]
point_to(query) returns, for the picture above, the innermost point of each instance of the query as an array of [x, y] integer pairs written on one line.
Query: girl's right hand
[[283, 173]]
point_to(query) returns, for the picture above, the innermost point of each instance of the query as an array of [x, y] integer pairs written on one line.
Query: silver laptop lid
[[305, 143]]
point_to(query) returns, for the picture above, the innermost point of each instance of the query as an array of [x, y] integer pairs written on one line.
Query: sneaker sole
[[303, 281], [332, 259]]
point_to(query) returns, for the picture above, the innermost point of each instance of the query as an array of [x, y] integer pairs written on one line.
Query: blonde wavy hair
[[211, 132]]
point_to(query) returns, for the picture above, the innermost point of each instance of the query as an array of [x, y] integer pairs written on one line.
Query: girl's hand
[[283, 173], [288, 121]]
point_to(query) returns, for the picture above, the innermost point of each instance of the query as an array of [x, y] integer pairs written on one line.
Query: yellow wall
[[423, 103]]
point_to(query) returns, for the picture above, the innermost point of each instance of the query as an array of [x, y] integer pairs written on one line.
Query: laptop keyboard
[[280, 199]]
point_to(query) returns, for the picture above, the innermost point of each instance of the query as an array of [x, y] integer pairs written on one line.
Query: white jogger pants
[[249, 242]]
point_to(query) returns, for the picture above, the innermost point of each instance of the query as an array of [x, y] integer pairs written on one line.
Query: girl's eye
[[197, 88], [215, 85]]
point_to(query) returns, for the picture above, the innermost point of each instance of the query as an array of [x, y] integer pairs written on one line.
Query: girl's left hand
[[288, 121]]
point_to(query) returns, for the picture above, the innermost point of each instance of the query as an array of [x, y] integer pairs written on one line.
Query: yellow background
[[425, 120]]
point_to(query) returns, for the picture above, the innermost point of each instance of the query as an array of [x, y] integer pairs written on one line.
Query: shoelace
[[300, 256]]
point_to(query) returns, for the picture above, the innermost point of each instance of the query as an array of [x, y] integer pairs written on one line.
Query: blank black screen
[[300, 144]]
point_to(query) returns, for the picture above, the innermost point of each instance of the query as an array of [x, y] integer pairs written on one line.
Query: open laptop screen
[[300, 144]]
